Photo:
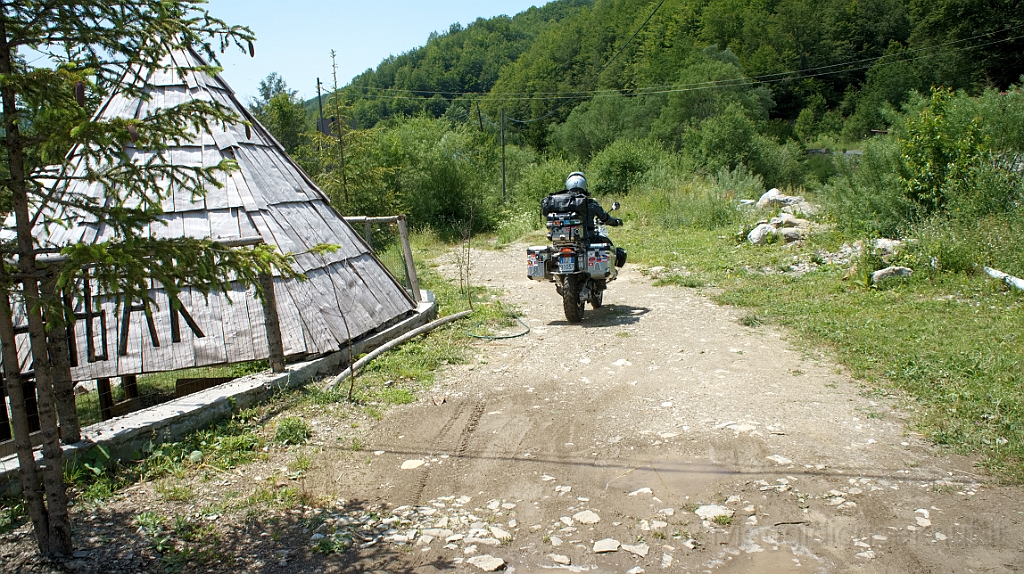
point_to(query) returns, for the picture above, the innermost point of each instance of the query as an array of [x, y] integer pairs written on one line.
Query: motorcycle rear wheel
[[571, 302], [597, 298]]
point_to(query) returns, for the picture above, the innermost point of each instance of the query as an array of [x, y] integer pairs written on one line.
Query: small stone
[[923, 522], [560, 559], [640, 550], [667, 511], [749, 509], [868, 554], [606, 545], [779, 459], [500, 534], [556, 541], [487, 563], [711, 511], [658, 524], [635, 570], [666, 560], [586, 517], [644, 490], [566, 520], [733, 500], [940, 536], [412, 464]]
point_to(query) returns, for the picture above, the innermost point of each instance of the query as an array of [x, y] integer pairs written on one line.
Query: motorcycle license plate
[[567, 264]]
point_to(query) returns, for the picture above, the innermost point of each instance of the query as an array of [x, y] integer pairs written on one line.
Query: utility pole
[[479, 116], [320, 104], [503, 155]]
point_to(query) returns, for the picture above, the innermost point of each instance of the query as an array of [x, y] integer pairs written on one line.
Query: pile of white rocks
[[786, 226]]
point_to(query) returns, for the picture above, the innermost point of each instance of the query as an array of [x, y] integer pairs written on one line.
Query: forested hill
[[459, 61], [848, 57]]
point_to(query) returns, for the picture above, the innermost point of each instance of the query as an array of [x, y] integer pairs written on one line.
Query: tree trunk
[[31, 487], [60, 369], [59, 531]]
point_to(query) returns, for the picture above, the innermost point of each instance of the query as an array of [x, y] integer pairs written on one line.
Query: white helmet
[[576, 180]]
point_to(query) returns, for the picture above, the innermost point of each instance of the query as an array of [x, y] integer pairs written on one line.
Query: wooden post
[[130, 384], [106, 398], [5, 421], [273, 323], [410, 266], [368, 232]]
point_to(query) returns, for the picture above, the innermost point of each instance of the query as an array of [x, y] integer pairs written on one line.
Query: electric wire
[[790, 75]]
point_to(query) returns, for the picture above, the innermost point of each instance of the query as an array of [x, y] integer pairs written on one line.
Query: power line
[[820, 71]]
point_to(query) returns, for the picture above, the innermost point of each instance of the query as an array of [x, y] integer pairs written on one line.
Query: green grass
[[951, 340], [292, 430]]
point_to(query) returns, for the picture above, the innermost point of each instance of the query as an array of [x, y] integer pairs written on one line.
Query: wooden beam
[[410, 266], [106, 398], [273, 323]]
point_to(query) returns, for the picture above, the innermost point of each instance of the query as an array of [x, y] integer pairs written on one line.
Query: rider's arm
[[603, 216]]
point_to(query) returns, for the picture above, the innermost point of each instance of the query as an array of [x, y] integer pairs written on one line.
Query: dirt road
[[659, 406], [659, 435]]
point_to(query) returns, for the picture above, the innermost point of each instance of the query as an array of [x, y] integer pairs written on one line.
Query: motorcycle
[[579, 268]]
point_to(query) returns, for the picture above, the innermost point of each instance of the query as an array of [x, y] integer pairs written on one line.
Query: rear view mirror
[[615, 205]]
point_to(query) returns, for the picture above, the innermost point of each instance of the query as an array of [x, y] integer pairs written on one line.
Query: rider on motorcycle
[[576, 183]]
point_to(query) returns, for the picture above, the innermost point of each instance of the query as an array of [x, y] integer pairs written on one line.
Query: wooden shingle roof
[[349, 293]]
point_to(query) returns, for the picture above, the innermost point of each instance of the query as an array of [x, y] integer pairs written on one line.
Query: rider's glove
[[615, 222]]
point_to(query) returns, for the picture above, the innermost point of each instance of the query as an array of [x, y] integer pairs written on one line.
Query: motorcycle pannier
[[598, 260], [537, 262]]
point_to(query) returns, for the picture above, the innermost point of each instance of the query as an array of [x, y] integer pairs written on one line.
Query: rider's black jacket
[[581, 203]]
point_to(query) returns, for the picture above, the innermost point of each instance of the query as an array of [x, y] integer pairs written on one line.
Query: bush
[[292, 430], [867, 195], [685, 205], [620, 166], [963, 244]]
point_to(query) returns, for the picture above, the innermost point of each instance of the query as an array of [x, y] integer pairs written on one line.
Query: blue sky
[[295, 38]]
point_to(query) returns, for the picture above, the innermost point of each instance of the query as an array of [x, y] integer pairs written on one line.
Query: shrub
[[622, 165], [292, 430]]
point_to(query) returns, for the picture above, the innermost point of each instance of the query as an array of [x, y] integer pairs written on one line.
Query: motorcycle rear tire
[[597, 298], [571, 302]]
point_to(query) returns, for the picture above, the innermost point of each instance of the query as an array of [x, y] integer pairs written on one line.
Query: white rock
[[691, 544], [711, 511], [923, 512], [635, 570], [760, 234], [752, 520], [555, 541], [560, 559], [486, 562], [644, 490], [658, 524], [940, 536], [734, 499], [666, 560], [667, 511], [424, 540], [493, 505], [890, 272], [749, 509], [923, 522], [779, 459], [621, 363], [868, 554], [586, 517], [638, 549], [463, 500], [606, 545], [566, 520], [645, 526], [500, 534], [412, 464]]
